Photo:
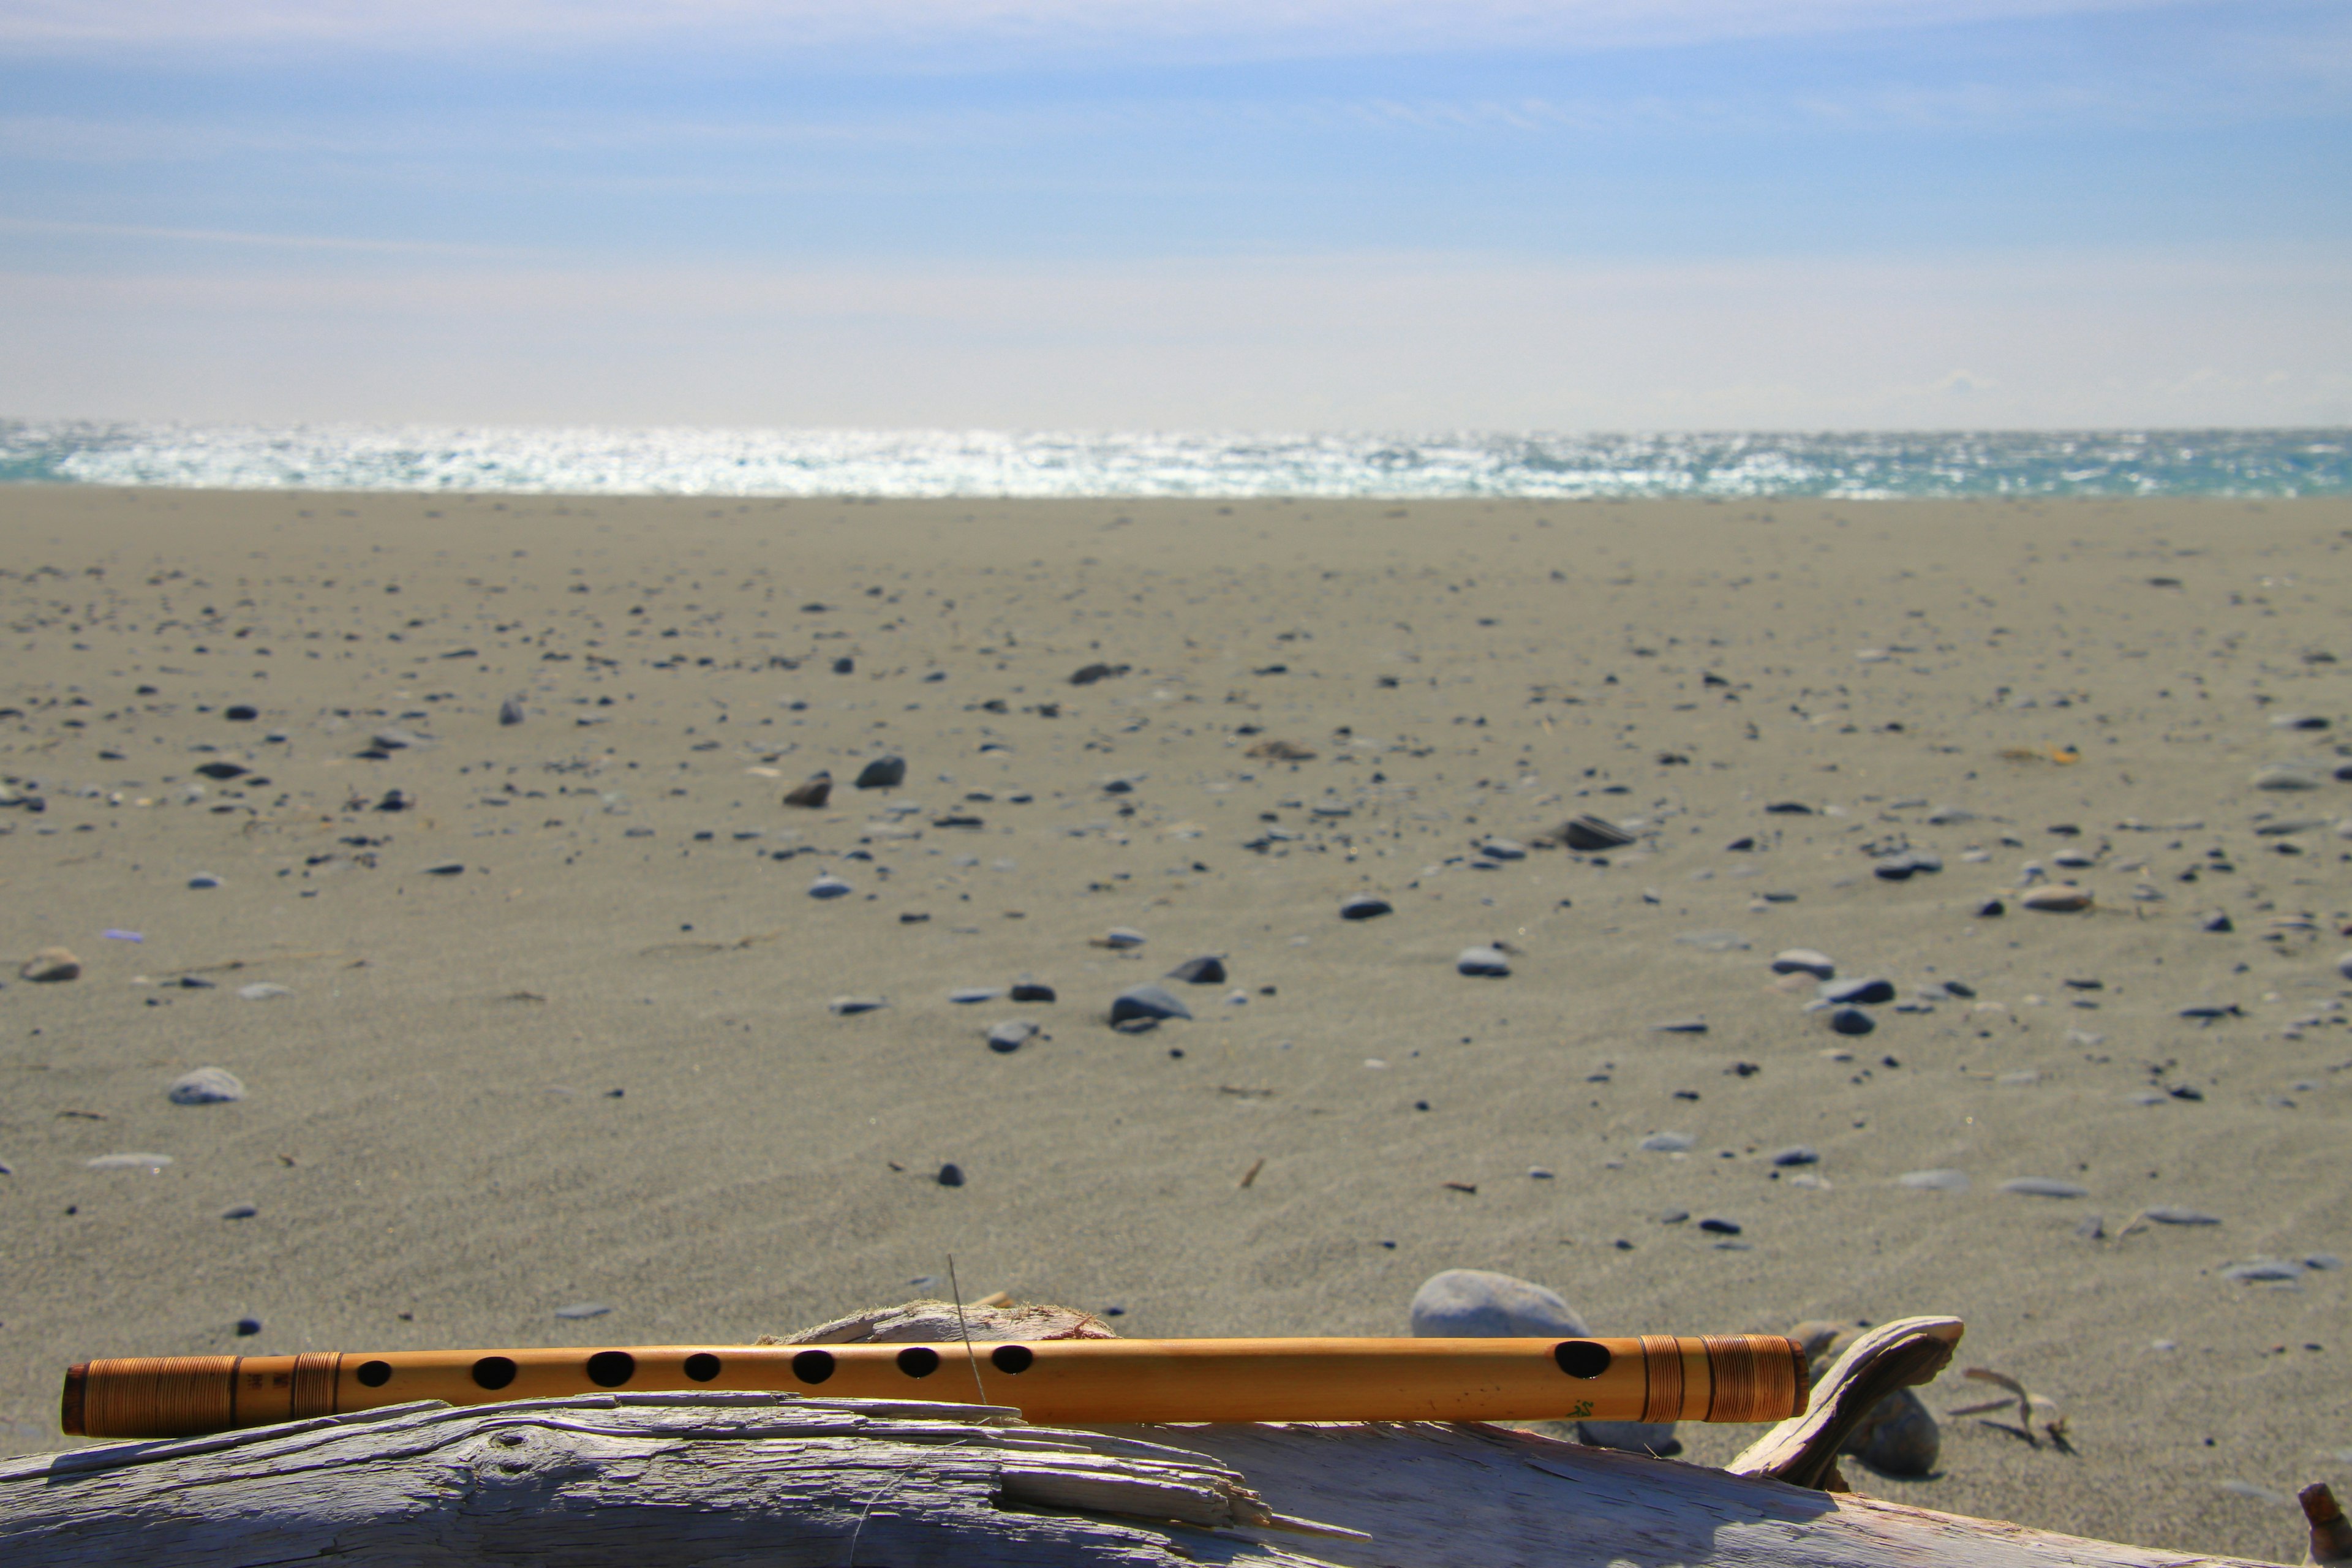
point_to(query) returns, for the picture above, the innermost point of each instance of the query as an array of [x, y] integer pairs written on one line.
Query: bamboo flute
[[1657, 1377]]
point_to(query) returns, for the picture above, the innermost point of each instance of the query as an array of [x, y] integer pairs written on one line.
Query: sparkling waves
[[2258, 463]]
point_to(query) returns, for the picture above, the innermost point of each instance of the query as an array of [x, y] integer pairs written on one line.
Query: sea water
[[1206, 464]]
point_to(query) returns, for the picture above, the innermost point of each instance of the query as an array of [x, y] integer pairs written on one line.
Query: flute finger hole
[[702, 1366], [1013, 1358], [373, 1374], [611, 1369], [813, 1366], [493, 1372], [1582, 1358], [919, 1361]]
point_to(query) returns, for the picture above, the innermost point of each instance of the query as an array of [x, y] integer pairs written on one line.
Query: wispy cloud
[[935, 31], [248, 241]]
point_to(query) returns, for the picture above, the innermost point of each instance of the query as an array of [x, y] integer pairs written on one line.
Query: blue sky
[[1591, 214]]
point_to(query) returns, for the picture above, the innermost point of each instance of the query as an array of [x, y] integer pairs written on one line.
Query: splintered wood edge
[[1804, 1449]]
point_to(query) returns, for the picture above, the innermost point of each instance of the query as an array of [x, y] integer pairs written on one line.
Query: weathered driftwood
[[653, 1480]]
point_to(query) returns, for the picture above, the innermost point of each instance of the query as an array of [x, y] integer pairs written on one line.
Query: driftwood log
[[655, 1480]]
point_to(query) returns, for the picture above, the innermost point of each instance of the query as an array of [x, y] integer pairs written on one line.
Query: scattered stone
[[1802, 1155], [2165, 1214], [1153, 1001], [2063, 898], [2044, 1187], [1681, 1027], [2220, 924], [950, 1174], [1665, 1143], [1280, 752], [260, 991], [2298, 721], [1477, 1304], [247, 1327], [49, 965], [222, 770], [1872, 991], [1713, 940], [1012, 1035], [1121, 937], [1804, 961], [1208, 970], [511, 712], [1031, 991], [2282, 776], [965, 995], [1898, 1437], [1933, 1181], [128, 1162], [396, 800], [2344, 966], [1503, 850], [1086, 675], [1719, 1226], [828, 886], [239, 1210], [882, 772], [2263, 1271], [240, 713], [203, 879], [205, 1086], [850, 1006], [1485, 963], [579, 1309], [1991, 908], [1363, 907], [1852, 1021], [812, 794], [1591, 834], [446, 868]]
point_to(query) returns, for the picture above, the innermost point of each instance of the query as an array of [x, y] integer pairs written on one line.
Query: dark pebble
[[882, 772], [1032, 990], [950, 1174], [1868, 993], [1852, 1021], [1720, 1226], [1205, 971], [247, 1327], [1363, 907], [241, 711]]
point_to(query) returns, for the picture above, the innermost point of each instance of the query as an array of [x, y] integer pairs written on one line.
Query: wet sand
[[598, 1063]]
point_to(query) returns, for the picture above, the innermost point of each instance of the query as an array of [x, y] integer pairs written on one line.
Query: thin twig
[[968, 1353]]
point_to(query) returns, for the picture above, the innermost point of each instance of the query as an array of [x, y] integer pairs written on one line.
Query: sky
[[1292, 214]]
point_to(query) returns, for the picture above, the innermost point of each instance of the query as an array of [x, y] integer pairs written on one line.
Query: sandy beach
[[543, 1015]]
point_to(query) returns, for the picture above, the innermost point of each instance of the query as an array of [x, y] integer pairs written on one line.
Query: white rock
[[128, 1162], [1475, 1303], [1804, 961], [1486, 962], [205, 1086], [828, 886]]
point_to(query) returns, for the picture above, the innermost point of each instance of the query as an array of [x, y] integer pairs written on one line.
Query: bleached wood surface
[[656, 1481]]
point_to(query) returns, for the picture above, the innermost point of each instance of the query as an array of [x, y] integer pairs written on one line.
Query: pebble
[[205, 1086], [1012, 1035], [882, 772], [1898, 1437], [582, 1309], [1364, 907], [446, 868], [1666, 1142], [1477, 1304], [1719, 1226], [247, 1327], [813, 792], [1591, 834], [2263, 1270], [1680, 1026], [2298, 721], [1484, 962], [510, 711], [50, 964], [2165, 1214], [203, 879], [1503, 850], [1871, 992], [1852, 1021], [1802, 1155], [2344, 966], [1153, 1001], [850, 1006], [128, 1162], [2279, 776], [1121, 937], [950, 1174], [1940, 1181], [2063, 898], [1031, 991], [1713, 940], [1803, 960], [2044, 1187], [240, 713], [965, 995], [828, 886], [223, 770], [261, 990], [1208, 970], [239, 1210]]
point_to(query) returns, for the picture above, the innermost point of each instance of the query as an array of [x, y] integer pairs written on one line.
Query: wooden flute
[[1657, 1377]]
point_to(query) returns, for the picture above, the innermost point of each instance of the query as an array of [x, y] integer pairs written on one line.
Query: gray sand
[[430, 1009]]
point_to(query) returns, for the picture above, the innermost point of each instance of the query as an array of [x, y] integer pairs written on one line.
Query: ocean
[[1206, 464]]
